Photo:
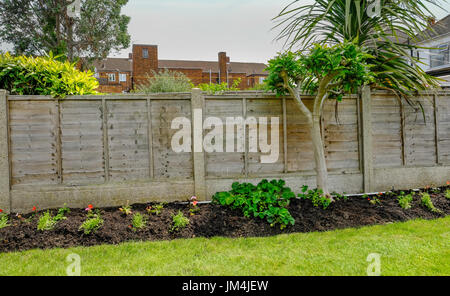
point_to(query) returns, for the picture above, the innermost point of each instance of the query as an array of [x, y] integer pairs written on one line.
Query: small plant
[[179, 222], [48, 222], [3, 219], [316, 196], [165, 81], [214, 88], [447, 194], [267, 200], [375, 200], [155, 210], [138, 222], [126, 210], [93, 222], [405, 200], [193, 206], [428, 203]]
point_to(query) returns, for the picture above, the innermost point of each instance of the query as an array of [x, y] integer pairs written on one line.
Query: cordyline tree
[[328, 72], [382, 37], [37, 27]]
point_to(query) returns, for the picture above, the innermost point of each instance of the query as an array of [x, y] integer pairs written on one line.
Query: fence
[[106, 150]]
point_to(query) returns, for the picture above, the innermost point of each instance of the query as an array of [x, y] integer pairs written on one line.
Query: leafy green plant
[[48, 222], [126, 210], [447, 194], [316, 196], [165, 81], [24, 75], [138, 222], [155, 210], [405, 200], [428, 203], [267, 200], [93, 223], [193, 206], [215, 88], [3, 219], [179, 222]]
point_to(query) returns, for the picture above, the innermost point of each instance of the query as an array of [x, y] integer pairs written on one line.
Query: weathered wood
[[285, 143], [436, 128], [5, 165], [198, 107], [151, 160], [105, 139], [367, 139]]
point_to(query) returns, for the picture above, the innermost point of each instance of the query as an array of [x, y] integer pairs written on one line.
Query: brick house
[[118, 75]]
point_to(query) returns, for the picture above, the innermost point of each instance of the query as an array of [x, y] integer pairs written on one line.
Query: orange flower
[[448, 183], [34, 209], [195, 203]]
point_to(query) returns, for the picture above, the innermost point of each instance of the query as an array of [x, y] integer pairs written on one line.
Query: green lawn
[[412, 248]]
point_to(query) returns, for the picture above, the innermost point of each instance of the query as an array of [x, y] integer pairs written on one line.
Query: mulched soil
[[212, 220]]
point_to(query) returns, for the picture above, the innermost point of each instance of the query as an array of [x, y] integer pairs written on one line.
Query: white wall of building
[[437, 57]]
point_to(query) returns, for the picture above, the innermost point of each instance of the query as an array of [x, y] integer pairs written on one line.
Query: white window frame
[[112, 77], [145, 53], [122, 77]]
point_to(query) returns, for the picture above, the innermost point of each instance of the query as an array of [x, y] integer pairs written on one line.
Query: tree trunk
[[319, 155]]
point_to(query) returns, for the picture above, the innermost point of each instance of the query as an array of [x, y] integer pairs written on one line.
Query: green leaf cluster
[[405, 200], [316, 196], [24, 75], [179, 222], [165, 81], [267, 200], [217, 88]]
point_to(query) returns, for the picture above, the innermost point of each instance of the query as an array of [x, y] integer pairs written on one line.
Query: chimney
[[222, 67]]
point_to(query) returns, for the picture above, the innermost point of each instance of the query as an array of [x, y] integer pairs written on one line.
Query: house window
[[439, 56], [122, 77], [112, 77], [145, 53], [261, 80]]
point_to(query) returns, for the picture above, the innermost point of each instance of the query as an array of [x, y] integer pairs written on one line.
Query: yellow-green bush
[[24, 75]]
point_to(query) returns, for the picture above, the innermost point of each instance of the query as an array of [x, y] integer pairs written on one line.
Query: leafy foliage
[[155, 210], [316, 196], [38, 26], [343, 67], [405, 200], [48, 222], [165, 81], [383, 36], [267, 200], [179, 222], [216, 88], [4, 219], [138, 222], [93, 223], [24, 75], [428, 203], [126, 210], [447, 194]]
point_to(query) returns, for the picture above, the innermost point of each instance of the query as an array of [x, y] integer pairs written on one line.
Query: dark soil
[[212, 220]]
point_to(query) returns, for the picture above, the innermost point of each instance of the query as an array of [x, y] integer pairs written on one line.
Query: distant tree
[[37, 27]]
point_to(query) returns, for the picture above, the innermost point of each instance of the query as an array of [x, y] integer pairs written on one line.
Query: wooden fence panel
[[33, 143], [300, 156], [223, 164], [266, 108], [81, 141], [341, 140], [443, 102], [420, 141], [127, 123], [167, 163], [387, 131]]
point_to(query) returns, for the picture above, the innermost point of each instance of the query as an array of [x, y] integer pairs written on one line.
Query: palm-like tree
[[389, 36]]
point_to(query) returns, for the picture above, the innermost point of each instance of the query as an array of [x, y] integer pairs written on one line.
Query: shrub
[[447, 194], [92, 224], [179, 222], [214, 88], [405, 200], [165, 81], [316, 196], [24, 75], [267, 200], [138, 222], [426, 201]]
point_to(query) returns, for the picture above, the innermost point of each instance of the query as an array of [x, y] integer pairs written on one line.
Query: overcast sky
[[199, 29]]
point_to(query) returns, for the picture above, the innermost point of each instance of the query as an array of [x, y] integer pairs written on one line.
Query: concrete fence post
[[5, 185], [367, 145], [198, 108]]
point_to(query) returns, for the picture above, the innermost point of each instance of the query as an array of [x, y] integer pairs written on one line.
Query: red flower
[[1, 211], [448, 182], [34, 209], [195, 203], [90, 207]]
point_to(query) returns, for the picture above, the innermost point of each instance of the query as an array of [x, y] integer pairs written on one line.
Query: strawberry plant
[[267, 200]]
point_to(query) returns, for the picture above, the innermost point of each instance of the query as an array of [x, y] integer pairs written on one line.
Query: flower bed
[[172, 221]]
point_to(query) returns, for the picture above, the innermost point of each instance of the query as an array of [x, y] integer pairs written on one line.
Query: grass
[[412, 248]]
